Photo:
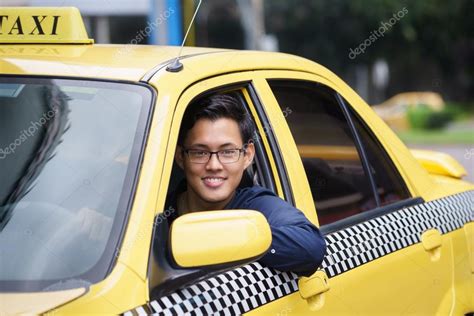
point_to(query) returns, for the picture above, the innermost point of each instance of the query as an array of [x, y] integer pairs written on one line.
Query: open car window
[[165, 276]]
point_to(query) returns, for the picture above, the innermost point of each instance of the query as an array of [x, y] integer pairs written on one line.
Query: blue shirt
[[297, 245]]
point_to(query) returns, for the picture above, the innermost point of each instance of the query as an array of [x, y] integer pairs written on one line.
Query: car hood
[[36, 303]]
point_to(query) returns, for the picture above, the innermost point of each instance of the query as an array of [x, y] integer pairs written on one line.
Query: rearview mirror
[[217, 237]]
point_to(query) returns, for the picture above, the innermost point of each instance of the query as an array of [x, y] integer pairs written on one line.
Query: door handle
[[432, 242], [312, 289]]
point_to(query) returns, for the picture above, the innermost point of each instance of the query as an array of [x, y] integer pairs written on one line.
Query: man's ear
[[249, 154], [179, 157]]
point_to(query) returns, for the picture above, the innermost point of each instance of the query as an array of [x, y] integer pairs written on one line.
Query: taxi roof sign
[[42, 25]]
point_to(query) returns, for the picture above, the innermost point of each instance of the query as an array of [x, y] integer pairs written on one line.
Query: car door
[[373, 220], [255, 289], [208, 291]]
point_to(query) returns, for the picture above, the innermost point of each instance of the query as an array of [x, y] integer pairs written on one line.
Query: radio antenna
[[176, 65]]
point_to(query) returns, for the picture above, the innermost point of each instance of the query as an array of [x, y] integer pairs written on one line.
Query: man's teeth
[[214, 179]]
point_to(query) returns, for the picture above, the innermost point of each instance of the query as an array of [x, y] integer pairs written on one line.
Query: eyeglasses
[[225, 156]]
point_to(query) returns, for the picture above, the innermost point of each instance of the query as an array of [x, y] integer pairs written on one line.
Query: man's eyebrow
[[228, 144], [207, 147], [198, 145]]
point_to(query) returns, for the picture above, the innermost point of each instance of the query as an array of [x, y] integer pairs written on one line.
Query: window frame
[[170, 276], [349, 111], [358, 144], [274, 147]]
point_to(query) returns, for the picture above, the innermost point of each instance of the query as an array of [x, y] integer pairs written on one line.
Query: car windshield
[[69, 155]]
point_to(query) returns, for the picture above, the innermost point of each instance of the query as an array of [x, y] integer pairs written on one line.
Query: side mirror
[[218, 237], [439, 163]]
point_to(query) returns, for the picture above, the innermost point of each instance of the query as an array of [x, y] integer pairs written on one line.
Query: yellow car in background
[[394, 110], [87, 142]]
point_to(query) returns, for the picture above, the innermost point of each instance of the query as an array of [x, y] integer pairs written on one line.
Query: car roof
[[123, 62], [132, 62]]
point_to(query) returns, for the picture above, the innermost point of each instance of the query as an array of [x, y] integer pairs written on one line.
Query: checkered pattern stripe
[[248, 287], [364, 242], [231, 293]]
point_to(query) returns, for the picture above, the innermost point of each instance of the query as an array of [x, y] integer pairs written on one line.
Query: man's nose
[[213, 163]]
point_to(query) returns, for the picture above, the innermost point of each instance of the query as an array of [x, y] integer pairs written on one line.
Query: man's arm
[[296, 248], [297, 245]]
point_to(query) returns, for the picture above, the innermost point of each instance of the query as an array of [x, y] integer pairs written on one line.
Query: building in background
[[123, 22], [428, 48], [164, 22]]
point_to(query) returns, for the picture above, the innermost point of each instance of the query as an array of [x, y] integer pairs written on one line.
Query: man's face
[[212, 184]]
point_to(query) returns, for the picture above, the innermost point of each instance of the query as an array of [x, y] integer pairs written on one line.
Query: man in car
[[214, 149]]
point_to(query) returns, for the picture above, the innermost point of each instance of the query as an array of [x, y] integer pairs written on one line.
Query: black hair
[[214, 107]]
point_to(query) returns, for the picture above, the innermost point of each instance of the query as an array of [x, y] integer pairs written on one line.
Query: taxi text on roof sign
[[45, 25]]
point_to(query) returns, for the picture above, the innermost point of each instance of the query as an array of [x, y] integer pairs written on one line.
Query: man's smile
[[213, 181]]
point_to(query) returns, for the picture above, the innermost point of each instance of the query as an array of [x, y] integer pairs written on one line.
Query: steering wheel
[[52, 242]]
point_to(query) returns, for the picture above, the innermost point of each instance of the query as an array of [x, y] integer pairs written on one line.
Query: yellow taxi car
[[87, 142]]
